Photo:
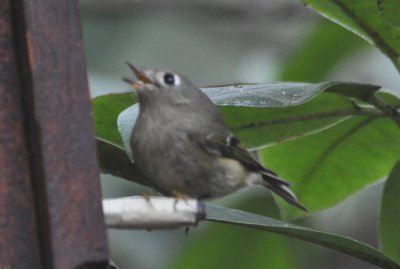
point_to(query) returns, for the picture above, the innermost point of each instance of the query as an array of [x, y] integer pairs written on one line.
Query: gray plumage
[[182, 145]]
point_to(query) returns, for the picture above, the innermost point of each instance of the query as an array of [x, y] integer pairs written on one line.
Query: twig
[[152, 212], [386, 108]]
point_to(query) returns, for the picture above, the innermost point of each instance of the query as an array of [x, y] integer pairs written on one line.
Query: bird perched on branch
[[182, 145]]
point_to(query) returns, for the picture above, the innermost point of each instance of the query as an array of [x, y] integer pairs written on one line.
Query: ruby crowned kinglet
[[182, 145]]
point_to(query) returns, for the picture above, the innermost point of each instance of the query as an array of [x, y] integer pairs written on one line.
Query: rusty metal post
[[50, 202], [19, 246]]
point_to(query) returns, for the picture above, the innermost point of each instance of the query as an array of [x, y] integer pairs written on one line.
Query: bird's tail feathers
[[281, 188], [273, 178]]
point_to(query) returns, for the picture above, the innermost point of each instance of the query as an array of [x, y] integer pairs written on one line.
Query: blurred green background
[[219, 42]]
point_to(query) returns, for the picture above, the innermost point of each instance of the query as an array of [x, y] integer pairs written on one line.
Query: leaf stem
[[388, 109]]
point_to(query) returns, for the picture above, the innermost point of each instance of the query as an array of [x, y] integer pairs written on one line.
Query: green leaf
[[343, 244], [374, 22], [113, 160], [263, 114], [266, 95], [126, 120], [319, 52], [260, 127], [390, 10], [363, 93], [222, 246], [389, 232], [106, 109], [112, 157], [329, 166]]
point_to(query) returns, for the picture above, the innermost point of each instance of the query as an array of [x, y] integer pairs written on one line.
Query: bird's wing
[[228, 146]]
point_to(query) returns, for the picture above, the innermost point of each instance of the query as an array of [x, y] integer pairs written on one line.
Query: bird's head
[[155, 80]]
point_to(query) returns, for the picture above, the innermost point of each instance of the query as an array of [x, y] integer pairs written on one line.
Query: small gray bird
[[182, 145]]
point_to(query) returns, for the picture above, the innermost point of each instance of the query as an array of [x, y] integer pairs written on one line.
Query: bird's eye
[[169, 79]]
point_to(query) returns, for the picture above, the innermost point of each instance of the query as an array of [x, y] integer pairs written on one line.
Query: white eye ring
[[171, 79]]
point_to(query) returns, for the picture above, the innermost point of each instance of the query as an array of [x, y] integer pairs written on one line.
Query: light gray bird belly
[[181, 167]]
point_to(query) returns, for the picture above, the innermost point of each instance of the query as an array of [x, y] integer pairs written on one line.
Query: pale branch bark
[[139, 212]]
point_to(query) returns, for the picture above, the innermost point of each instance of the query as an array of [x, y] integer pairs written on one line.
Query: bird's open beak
[[142, 78]]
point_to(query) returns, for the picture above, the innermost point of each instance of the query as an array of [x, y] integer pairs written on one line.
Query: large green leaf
[[389, 224], [266, 95], [227, 246], [332, 241], [112, 156], [113, 161], [263, 114], [260, 127], [375, 21], [389, 10], [331, 165], [106, 109]]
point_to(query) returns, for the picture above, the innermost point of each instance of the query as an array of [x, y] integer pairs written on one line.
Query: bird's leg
[[147, 194], [180, 196]]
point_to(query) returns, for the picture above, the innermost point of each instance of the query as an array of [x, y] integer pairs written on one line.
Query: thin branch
[[354, 111], [386, 108], [148, 213]]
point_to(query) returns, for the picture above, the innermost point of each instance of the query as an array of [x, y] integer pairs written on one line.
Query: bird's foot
[[180, 197], [147, 195]]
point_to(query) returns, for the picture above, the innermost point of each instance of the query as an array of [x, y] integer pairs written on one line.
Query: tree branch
[[148, 213]]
